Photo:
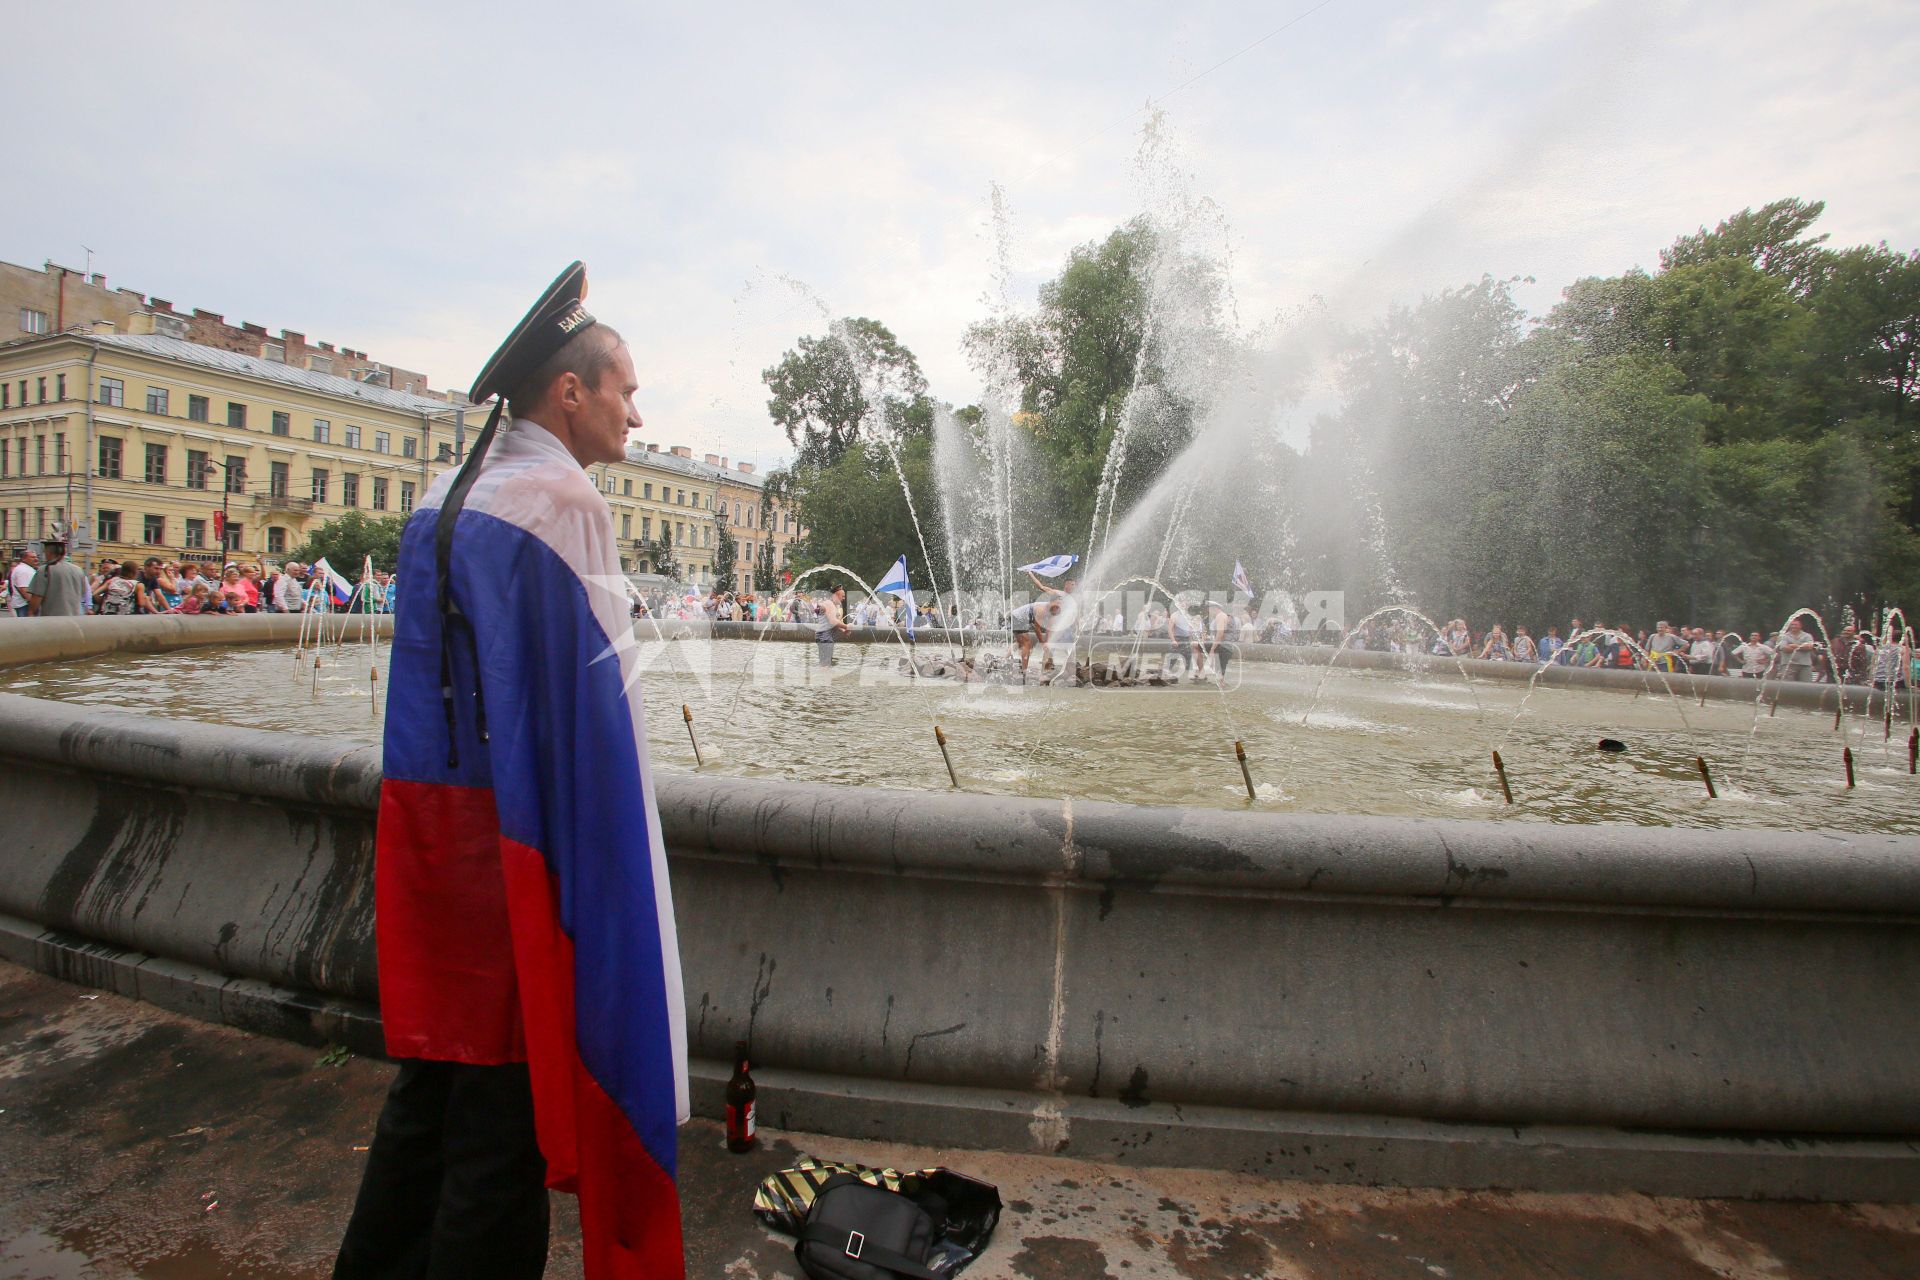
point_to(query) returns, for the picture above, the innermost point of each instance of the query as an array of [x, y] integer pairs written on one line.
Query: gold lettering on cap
[[574, 319]]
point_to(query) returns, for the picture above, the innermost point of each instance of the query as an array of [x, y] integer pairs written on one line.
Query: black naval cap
[[555, 319], [560, 314]]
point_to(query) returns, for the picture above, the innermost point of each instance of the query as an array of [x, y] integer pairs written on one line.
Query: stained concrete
[[137, 1143]]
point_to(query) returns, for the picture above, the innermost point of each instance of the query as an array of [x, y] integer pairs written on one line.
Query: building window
[[681, 497], [647, 492], [112, 392], [626, 488], [197, 469], [646, 528], [196, 535], [236, 537], [706, 535], [109, 458], [60, 387], [23, 393], [156, 464], [353, 437], [40, 455], [196, 408], [679, 534], [406, 496], [106, 526], [379, 493], [382, 442], [279, 479], [350, 490], [153, 530], [157, 400], [236, 414], [282, 423], [60, 452], [32, 321], [322, 431], [276, 540], [40, 390], [409, 447], [6, 395], [319, 485], [626, 524], [236, 473]]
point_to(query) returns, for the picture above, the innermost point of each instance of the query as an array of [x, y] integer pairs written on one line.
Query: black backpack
[[857, 1231]]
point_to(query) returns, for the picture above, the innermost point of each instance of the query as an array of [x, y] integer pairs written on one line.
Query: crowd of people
[[155, 586], [1793, 653]]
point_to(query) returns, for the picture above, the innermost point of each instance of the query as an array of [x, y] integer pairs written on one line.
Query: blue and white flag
[[1052, 566], [1240, 579], [896, 583]]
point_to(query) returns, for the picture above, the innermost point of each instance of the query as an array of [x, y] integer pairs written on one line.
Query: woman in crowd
[[1496, 649]]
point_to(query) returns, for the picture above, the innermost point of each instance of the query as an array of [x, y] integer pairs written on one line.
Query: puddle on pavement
[[36, 1255]]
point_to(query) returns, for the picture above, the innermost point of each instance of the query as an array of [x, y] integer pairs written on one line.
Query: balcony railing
[[282, 502]]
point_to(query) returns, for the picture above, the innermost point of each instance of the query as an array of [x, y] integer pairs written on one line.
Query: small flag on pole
[[339, 590], [896, 583], [1052, 566], [1240, 581]]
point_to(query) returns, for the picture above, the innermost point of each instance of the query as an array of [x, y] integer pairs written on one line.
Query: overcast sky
[[405, 178]]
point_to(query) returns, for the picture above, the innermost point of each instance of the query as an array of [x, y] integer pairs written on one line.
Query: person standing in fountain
[[1220, 627], [1030, 625], [831, 624], [520, 873], [1063, 628]]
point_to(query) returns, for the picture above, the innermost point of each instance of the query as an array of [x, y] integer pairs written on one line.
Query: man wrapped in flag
[[529, 968]]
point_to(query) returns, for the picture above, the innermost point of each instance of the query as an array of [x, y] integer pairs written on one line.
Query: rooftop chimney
[[653, 448], [250, 327], [199, 314], [326, 346], [160, 304], [99, 280], [713, 459], [681, 451], [289, 336], [746, 468]]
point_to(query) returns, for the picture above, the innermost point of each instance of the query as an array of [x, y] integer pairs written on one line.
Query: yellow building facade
[[138, 445], [134, 445]]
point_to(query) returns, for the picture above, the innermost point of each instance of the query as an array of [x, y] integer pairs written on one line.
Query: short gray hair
[[587, 355]]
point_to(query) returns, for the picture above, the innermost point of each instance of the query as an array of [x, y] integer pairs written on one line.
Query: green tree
[[855, 514], [660, 552], [347, 541], [858, 380], [1090, 356], [726, 555]]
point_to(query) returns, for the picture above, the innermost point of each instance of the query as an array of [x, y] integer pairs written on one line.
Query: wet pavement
[[137, 1143]]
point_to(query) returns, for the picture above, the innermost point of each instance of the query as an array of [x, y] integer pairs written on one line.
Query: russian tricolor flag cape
[[523, 911]]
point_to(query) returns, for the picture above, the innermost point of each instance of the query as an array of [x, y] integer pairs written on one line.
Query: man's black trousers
[[455, 1185]]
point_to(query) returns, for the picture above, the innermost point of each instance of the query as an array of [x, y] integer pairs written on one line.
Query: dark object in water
[[1612, 744]]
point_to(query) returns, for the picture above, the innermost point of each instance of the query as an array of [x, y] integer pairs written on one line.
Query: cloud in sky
[[405, 178]]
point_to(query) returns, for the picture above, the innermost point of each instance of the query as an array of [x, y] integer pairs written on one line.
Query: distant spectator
[[1795, 648]]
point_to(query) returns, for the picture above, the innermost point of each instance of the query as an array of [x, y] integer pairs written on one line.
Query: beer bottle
[[741, 1124]]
